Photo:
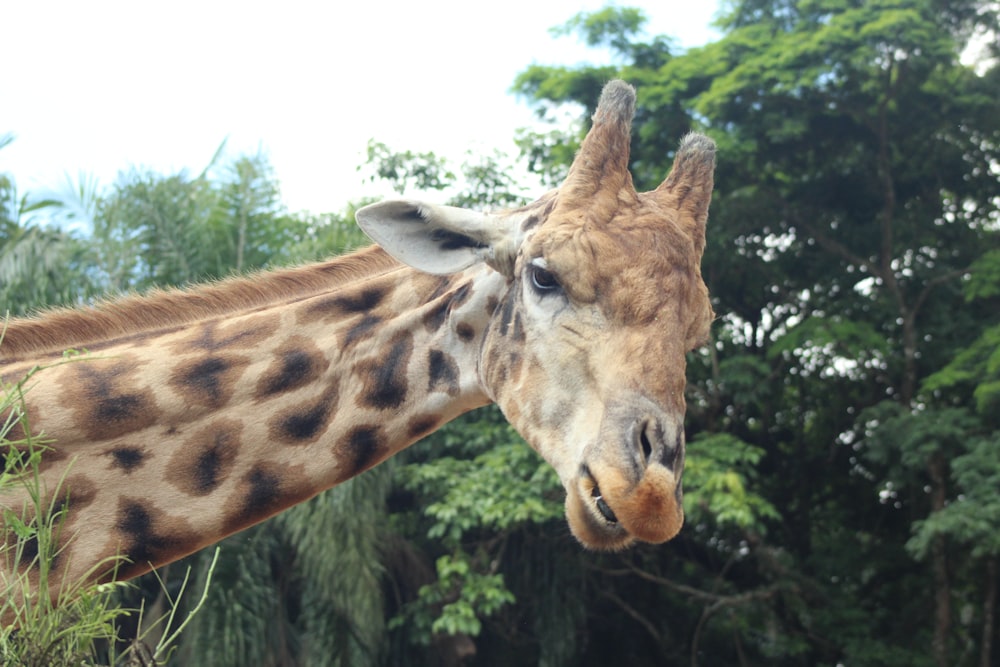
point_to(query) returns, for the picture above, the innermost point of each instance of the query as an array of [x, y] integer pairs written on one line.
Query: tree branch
[[722, 603], [838, 248], [934, 282], [639, 618]]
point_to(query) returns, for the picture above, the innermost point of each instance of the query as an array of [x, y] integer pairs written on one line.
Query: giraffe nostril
[[645, 438], [645, 444], [653, 445]]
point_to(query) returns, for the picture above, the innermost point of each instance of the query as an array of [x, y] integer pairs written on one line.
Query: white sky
[[99, 86]]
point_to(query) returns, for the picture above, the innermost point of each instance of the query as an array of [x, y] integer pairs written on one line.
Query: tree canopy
[[852, 248]]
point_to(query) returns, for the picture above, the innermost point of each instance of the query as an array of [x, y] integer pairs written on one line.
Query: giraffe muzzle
[[646, 436], [629, 487]]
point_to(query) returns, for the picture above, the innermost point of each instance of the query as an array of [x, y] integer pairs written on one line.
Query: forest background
[[843, 460]]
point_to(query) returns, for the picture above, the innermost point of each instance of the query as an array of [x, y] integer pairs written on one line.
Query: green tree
[[856, 191], [480, 181], [249, 205], [40, 264], [156, 230], [405, 170]]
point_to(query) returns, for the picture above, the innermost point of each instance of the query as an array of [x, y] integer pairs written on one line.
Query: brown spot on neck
[[442, 373], [264, 490], [127, 458], [106, 397], [206, 459], [209, 381], [306, 422], [296, 363], [383, 378], [360, 449], [148, 536]]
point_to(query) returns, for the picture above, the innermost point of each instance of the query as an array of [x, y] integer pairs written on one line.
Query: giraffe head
[[600, 298]]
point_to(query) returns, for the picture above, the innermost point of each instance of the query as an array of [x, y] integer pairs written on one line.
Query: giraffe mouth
[[602, 505], [591, 518], [616, 512]]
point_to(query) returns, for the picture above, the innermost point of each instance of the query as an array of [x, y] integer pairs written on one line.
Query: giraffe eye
[[543, 280]]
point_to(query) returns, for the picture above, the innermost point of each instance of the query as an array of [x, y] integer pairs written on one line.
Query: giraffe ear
[[439, 239]]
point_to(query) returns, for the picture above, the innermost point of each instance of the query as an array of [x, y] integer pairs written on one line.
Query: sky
[[98, 87]]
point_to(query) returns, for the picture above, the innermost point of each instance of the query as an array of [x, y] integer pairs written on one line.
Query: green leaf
[[718, 482], [984, 277]]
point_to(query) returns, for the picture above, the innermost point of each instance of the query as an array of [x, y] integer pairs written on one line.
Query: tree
[[39, 264], [480, 181], [856, 193], [249, 204], [156, 230]]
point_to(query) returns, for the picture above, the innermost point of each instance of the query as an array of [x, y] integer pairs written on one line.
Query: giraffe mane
[[110, 321]]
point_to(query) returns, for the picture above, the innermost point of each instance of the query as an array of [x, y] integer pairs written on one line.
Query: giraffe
[[192, 414]]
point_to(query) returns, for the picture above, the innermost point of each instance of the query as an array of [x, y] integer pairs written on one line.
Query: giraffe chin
[[616, 513]]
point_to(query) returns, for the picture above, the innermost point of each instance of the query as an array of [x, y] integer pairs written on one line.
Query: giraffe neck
[[169, 438]]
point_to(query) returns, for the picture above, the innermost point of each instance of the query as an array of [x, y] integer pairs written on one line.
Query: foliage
[[157, 231], [483, 181], [406, 170], [972, 519], [469, 487], [250, 198], [614, 27], [720, 475], [848, 386], [38, 264], [488, 183], [462, 494], [975, 370], [454, 603], [984, 277]]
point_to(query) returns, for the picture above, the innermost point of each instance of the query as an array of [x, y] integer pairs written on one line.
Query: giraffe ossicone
[[196, 413]]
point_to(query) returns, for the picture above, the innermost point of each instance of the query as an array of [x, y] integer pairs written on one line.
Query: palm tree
[[40, 264]]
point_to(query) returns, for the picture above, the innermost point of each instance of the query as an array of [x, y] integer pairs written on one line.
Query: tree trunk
[[989, 613], [937, 468], [241, 240], [939, 565]]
